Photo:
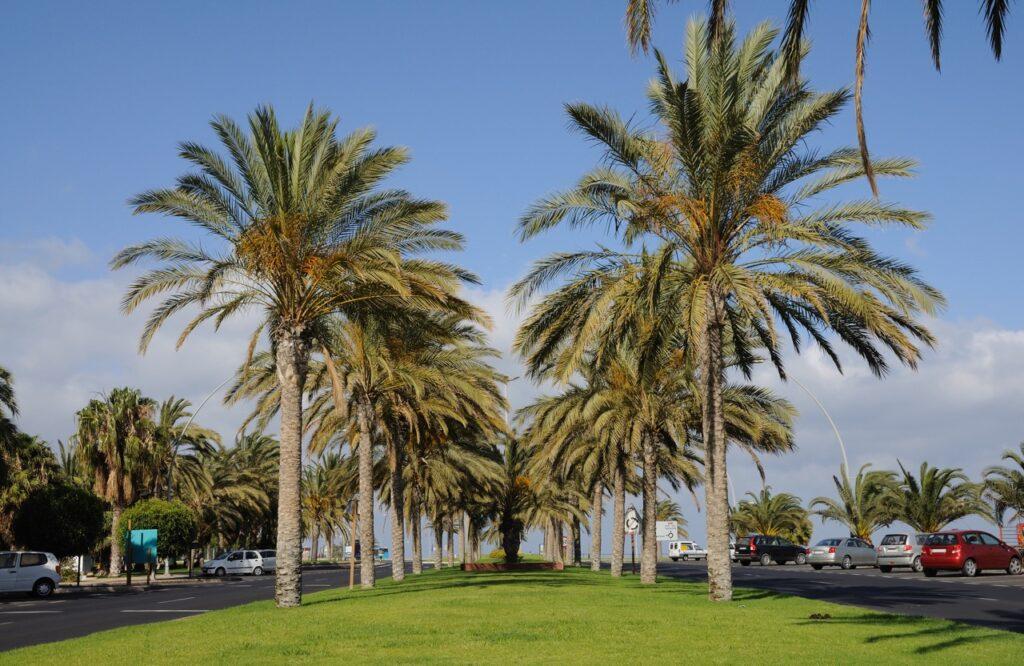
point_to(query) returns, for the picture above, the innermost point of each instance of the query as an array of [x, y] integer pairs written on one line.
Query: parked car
[[968, 551], [686, 550], [901, 549], [732, 551], [240, 562], [768, 549], [35, 572], [845, 552]]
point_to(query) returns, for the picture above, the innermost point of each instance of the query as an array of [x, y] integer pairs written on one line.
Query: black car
[[768, 549]]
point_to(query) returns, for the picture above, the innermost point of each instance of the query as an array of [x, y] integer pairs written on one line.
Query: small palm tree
[[299, 231], [1004, 484], [863, 505], [772, 515], [936, 497], [113, 435]]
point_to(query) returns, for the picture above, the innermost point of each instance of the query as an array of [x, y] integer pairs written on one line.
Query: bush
[[173, 521], [60, 518]]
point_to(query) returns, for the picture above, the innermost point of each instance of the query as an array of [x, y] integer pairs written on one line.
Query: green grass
[[554, 617]]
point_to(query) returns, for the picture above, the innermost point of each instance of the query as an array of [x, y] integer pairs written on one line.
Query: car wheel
[[43, 588], [258, 571], [930, 573], [1015, 567], [885, 568], [847, 562], [675, 559], [817, 567], [765, 560], [916, 565], [744, 563], [970, 568], [220, 572], [685, 558], [801, 559]]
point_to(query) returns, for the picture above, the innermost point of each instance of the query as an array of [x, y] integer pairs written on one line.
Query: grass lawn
[[555, 617]]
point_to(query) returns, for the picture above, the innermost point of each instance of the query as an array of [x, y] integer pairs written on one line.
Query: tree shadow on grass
[[918, 628]]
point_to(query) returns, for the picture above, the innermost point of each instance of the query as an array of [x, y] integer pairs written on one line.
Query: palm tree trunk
[[618, 521], [451, 546], [292, 361], [397, 514], [577, 542], [314, 543], [115, 541], [716, 489], [417, 541], [366, 541], [464, 537], [649, 553], [556, 542], [438, 545], [595, 527], [352, 532]]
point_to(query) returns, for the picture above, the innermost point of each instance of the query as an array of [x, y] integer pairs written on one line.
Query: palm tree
[[725, 201], [325, 494], [113, 435], [303, 232], [172, 442], [639, 15], [9, 405], [936, 497], [1004, 484], [863, 505], [772, 515]]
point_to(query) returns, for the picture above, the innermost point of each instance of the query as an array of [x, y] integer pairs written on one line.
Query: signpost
[[142, 549], [667, 530], [632, 524]]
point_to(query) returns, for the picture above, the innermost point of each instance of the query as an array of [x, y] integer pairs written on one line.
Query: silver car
[[241, 562], [845, 552], [901, 549]]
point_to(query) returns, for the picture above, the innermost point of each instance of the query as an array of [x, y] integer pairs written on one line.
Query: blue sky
[[96, 98]]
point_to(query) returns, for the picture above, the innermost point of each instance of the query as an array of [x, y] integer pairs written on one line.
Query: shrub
[[60, 518], [174, 522]]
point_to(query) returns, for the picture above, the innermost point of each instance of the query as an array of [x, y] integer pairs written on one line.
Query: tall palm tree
[[772, 515], [113, 436], [639, 15], [936, 497], [1004, 484], [301, 230], [863, 505], [8, 408], [726, 234]]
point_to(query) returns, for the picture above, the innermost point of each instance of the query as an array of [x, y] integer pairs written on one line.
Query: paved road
[[991, 599], [26, 621]]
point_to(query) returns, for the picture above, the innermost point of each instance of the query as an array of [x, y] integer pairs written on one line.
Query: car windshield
[[894, 540], [942, 540], [829, 542]]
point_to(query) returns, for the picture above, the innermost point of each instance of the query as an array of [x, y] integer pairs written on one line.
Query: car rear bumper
[[942, 561], [901, 560], [822, 558]]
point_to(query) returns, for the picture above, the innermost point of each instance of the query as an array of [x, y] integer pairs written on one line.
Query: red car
[[968, 551]]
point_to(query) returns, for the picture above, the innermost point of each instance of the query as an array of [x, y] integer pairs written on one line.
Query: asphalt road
[[990, 599], [27, 621]]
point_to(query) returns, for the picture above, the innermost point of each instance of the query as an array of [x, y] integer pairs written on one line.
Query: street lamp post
[[839, 438]]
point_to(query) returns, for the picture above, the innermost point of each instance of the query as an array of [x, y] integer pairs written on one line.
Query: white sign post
[[632, 522], [667, 530]]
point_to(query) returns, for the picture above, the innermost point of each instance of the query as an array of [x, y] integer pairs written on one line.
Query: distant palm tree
[[936, 497], [640, 13], [772, 515], [326, 488], [1004, 484], [304, 232], [863, 505], [727, 237], [113, 435], [174, 438]]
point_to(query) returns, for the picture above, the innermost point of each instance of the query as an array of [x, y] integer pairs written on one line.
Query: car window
[[785, 542], [922, 539], [7, 560], [234, 557], [267, 553], [894, 540], [32, 559], [250, 555], [988, 539], [851, 543], [864, 544], [942, 540], [972, 538], [829, 542]]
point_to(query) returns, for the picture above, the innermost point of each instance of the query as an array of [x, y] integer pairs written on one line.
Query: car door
[[974, 550], [269, 559], [31, 567], [995, 556], [234, 562], [867, 551], [787, 550], [252, 560], [8, 572]]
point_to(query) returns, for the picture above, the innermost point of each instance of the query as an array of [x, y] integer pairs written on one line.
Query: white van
[[686, 550], [35, 572]]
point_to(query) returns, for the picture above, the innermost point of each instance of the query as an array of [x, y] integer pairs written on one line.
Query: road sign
[[667, 530], [143, 546], [632, 522]]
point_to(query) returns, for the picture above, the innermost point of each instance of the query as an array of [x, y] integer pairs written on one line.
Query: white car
[[35, 572], [686, 550], [241, 562]]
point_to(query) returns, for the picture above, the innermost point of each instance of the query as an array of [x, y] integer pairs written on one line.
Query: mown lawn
[[528, 617]]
